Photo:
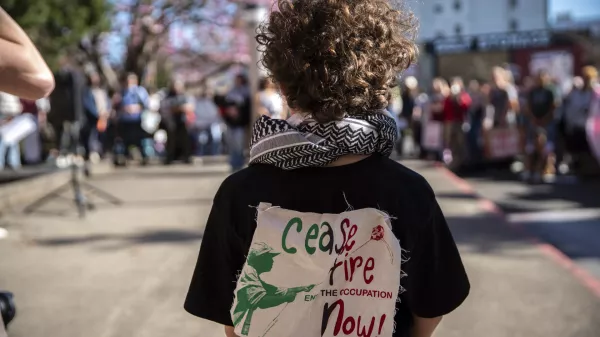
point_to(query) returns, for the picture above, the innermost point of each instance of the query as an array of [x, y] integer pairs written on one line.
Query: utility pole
[[253, 15]]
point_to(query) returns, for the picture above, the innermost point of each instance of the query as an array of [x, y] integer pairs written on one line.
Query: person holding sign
[[315, 255]]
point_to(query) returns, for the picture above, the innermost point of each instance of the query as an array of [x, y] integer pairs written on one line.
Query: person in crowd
[[130, 105], [455, 109], [476, 115], [237, 115], [575, 113], [514, 108], [435, 113], [499, 97], [409, 93], [440, 91], [97, 108], [540, 158], [66, 102], [420, 118], [177, 112], [208, 128], [578, 83], [37, 110], [268, 101], [330, 156], [522, 119], [48, 140], [10, 152]]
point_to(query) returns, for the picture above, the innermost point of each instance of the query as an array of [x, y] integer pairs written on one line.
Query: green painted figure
[[254, 293]]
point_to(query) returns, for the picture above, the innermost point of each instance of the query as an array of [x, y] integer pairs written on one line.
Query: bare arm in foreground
[[229, 332], [23, 71], [424, 327]]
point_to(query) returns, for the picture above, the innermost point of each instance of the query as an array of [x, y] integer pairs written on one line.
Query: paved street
[[564, 214], [124, 271]]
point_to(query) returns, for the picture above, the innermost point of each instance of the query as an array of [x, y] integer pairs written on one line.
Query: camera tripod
[[78, 187]]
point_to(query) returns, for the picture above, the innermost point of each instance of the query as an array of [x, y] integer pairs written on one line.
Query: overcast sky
[[580, 9]]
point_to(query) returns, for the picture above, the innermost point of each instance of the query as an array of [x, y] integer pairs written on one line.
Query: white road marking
[[555, 216]]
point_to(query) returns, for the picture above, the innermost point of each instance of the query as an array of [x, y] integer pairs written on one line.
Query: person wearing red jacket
[[456, 106]]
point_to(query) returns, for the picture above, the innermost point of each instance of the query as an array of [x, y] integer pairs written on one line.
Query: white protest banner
[[502, 143], [314, 275], [432, 138]]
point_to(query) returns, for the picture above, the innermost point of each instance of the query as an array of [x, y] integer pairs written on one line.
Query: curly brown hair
[[337, 57]]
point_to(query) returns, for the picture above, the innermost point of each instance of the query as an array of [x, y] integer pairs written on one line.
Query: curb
[[548, 250], [15, 195]]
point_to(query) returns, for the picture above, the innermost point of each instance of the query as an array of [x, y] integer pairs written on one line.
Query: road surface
[[566, 215], [124, 271]]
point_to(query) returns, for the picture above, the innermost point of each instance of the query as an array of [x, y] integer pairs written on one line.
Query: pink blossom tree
[[196, 37]]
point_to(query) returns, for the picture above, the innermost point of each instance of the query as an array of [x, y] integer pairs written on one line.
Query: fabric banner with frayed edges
[[311, 275]]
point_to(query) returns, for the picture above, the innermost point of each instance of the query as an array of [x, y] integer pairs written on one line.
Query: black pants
[[86, 132], [132, 134], [178, 141]]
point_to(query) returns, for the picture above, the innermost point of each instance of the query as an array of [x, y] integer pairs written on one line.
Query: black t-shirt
[[500, 100], [436, 282], [240, 99], [541, 102]]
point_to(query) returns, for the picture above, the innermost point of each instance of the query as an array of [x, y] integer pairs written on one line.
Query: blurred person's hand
[[23, 71], [42, 118]]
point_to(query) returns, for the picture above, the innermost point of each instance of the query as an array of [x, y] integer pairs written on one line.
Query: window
[[514, 25], [458, 29], [438, 9], [457, 5]]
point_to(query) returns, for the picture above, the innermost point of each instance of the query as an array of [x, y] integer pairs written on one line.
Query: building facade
[[447, 18]]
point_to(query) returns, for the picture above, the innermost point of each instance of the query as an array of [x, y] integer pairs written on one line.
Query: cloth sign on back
[[311, 275]]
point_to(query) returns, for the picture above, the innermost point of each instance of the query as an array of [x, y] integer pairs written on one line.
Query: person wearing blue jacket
[[133, 101]]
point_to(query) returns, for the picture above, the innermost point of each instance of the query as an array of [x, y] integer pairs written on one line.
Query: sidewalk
[[124, 271], [7, 175]]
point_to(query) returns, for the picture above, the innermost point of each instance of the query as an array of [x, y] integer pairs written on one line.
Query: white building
[[447, 18]]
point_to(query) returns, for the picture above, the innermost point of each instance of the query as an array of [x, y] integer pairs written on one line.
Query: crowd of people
[[537, 120], [175, 123]]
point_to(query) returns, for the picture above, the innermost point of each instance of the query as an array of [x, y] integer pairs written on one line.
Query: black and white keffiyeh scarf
[[302, 142]]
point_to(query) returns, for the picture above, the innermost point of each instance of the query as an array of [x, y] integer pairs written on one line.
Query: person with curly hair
[[334, 62]]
